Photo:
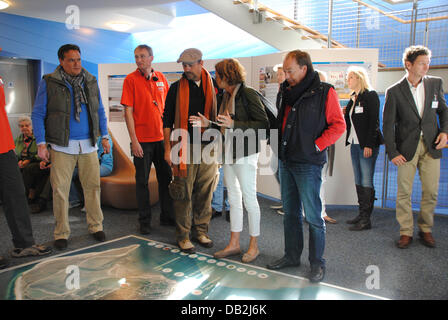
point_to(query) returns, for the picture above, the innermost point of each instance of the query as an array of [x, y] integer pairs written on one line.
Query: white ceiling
[[144, 15]]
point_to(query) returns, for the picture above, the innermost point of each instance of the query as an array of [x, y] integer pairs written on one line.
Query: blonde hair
[[362, 75]]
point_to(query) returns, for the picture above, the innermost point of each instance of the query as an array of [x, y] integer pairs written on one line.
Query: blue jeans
[[73, 194], [218, 195], [301, 183], [363, 168]]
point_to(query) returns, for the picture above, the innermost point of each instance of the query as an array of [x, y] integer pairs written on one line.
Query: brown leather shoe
[[330, 220], [404, 242], [427, 239]]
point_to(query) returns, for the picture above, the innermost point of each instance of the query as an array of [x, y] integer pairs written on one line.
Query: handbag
[[178, 189]]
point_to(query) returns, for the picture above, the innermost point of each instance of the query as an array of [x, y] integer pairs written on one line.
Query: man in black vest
[[69, 115], [311, 120]]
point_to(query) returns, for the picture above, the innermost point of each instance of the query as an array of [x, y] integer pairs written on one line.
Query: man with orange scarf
[[194, 181]]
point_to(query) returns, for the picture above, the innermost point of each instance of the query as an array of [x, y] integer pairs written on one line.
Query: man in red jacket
[[311, 120], [12, 193]]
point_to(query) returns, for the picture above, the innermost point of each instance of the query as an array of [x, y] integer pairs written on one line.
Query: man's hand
[[43, 153], [44, 165], [137, 150], [167, 156], [23, 163], [106, 145], [367, 152], [441, 140], [399, 160]]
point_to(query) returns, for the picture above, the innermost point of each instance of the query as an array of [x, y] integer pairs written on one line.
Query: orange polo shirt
[[147, 98], [6, 140]]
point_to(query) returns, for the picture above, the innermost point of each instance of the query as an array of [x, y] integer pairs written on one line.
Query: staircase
[[267, 25]]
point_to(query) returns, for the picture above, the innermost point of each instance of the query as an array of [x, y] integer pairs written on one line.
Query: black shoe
[[317, 274], [361, 225], [167, 222], [216, 214], [355, 220], [38, 206], [282, 263], [3, 262], [99, 236], [145, 229], [60, 244], [228, 216]]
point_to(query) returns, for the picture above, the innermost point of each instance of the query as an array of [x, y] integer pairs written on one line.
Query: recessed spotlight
[[3, 4], [119, 25]]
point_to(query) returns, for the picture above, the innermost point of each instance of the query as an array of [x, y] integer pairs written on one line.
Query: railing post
[[358, 26], [413, 23], [330, 21], [296, 7]]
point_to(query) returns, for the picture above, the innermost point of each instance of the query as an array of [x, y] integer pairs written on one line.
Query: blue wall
[[31, 38]]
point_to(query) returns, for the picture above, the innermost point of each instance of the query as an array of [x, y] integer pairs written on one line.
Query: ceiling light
[[120, 25], [3, 4]]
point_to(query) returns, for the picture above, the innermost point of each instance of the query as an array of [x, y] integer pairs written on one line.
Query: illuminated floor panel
[[140, 269]]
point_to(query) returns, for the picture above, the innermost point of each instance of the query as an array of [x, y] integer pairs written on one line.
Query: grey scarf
[[78, 90]]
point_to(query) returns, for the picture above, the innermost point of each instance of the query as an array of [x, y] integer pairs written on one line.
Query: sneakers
[[34, 250], [186, 246], [204, 241]]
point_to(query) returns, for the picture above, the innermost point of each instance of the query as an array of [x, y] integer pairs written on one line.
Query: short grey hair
[[24, 119]]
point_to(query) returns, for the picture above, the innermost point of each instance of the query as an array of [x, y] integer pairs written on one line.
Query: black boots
[[366, 199], [359, 192]]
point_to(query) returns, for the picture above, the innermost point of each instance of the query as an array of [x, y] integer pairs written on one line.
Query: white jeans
[[241, 182]]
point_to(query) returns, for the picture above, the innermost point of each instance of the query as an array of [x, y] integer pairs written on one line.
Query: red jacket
[[6, 140]]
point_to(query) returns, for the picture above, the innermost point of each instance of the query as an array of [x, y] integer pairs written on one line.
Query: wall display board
[[140, 269], [116, 110], [336, 73]]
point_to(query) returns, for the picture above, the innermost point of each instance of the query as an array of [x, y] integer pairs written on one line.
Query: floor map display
[[140, 269]]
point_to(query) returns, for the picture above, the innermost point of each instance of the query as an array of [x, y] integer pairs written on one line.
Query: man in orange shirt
[[144, 92], [12, 193]]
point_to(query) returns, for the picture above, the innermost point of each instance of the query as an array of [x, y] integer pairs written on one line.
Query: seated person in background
[[219, 199], [35, 174], [106, 166]]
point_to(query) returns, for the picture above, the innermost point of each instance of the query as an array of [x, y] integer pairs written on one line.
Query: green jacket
[[32, 149], [59, 104], [251, 116]]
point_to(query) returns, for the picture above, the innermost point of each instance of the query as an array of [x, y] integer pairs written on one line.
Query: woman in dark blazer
[[364, 136]]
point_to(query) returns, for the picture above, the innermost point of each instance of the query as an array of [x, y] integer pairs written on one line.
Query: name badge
[[160, 84], [435, 103], [359, 109]]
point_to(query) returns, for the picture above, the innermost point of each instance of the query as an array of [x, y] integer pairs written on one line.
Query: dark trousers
[[153, 152], [15, 206], [36, 178]]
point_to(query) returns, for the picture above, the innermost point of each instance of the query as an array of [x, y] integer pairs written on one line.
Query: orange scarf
[[181, 116]]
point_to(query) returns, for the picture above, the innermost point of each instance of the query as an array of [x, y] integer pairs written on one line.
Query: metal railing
[[370, 24]]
